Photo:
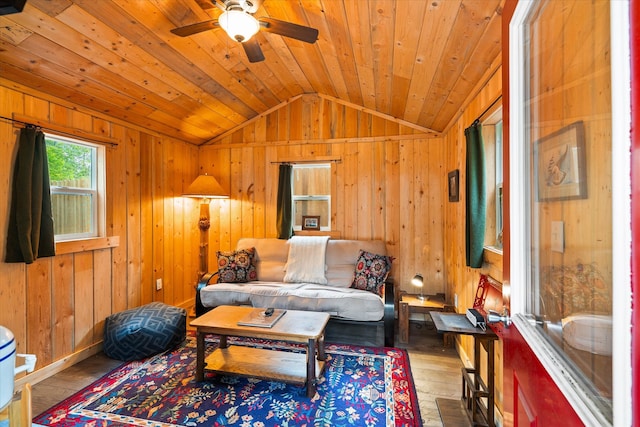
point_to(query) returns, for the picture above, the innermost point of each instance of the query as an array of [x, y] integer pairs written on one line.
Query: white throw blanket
[[306, 261]]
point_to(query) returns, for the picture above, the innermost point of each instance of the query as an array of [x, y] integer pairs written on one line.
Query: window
[[77, 187], [568, 252], [312, 194], [492, 137]]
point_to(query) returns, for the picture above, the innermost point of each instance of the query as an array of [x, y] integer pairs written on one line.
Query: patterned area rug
[[360, 386]]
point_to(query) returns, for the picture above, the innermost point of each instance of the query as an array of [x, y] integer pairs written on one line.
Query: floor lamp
[[205, 187]]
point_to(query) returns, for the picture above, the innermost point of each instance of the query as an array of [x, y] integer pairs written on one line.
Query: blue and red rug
[[360, 386]]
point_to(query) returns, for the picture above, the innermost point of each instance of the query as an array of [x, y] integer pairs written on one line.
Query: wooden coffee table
[[305, 327]]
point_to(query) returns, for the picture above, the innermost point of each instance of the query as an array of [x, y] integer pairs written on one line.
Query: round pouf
[[144, 331]]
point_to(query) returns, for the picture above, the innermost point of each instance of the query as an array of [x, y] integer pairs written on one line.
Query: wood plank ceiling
[[414, 60]]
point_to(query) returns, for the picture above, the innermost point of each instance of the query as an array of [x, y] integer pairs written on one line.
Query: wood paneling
[[387, 183], [56, 306], [461, 280], [413, 60]]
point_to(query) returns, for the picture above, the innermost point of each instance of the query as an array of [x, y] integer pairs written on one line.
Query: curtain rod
[[486, 110], [320, 160], [82, 134], [10, 119]]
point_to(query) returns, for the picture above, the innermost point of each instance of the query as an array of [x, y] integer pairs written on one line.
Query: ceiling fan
[[238, 21]]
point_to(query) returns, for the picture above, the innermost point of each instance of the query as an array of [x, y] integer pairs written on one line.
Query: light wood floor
[[436, 371]]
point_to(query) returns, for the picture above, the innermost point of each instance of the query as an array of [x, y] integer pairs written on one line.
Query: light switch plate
[[557, 236]]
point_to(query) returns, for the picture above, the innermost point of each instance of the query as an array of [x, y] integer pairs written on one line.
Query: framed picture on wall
[[454, 185], [560, 168], [311, 222]]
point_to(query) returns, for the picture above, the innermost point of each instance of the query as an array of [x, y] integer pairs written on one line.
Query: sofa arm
[[204, 281], [389, 313]]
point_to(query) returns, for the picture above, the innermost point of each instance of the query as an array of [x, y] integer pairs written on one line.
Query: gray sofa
[[357, 315]]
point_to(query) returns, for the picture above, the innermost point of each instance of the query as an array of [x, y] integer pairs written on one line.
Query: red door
[[531, 396]]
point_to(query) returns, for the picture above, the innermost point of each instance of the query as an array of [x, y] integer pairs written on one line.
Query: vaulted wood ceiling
[[415, 60]]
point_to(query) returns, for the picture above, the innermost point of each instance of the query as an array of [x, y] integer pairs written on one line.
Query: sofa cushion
[[347, 303], [270, 257], [237, 266], [371, 272], [342, 256]]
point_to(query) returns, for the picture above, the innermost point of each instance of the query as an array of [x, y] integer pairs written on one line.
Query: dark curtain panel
[[476, 199], [285, 203], [30, 235]]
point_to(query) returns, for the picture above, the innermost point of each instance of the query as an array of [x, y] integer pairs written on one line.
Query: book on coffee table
[[258, 318]]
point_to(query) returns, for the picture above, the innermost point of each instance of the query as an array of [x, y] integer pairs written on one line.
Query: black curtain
[[30, 235], [476, 199], [284, 218]]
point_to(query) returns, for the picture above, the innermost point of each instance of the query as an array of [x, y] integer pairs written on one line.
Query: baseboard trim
[[58, 366]]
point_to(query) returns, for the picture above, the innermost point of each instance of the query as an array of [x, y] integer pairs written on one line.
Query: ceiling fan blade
[[188, 30], [289, 29], [253, 51], [206, 4]]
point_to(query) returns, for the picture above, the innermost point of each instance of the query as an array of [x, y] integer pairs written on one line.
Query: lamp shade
[[239, 25], [205, 187], [417, 280]]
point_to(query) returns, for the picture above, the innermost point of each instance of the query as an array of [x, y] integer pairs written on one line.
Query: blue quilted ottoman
[[144, 331]]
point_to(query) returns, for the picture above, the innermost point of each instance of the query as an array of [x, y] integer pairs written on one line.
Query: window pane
[[70, 165], [72, 213], [312, 193], [312, 208], [492, 137], [569, 102], [75, 194], [313, 180]]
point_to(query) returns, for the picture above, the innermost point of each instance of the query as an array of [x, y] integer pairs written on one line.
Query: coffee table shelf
[[261, 363]]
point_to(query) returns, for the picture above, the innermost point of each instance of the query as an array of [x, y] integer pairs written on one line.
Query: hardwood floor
[[436, 371]]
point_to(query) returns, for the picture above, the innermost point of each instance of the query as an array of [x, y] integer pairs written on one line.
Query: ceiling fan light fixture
[[239, 25]]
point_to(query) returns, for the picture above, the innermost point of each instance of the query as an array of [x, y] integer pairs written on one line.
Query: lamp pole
[[204, 223]]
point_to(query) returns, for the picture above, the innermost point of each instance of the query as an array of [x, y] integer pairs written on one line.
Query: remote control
[[268, 312]]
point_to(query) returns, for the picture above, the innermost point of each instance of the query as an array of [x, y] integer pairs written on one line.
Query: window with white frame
[[492, 137], [76, 173], [312, 194]]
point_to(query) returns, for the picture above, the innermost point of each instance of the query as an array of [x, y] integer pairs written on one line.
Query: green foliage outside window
[[68, 162]]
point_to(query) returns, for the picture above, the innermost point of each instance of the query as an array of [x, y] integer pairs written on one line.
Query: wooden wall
[[56, 306], [388, 181], [462, 281]]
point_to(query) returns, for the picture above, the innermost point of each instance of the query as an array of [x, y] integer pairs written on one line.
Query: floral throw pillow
[[371, 272], [237, 267]]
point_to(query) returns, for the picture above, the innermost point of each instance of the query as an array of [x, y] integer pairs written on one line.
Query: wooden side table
[[474, 389], [410, 303]]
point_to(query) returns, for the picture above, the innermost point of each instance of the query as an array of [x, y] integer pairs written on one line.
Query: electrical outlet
[[158, 284], [455, 300]]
